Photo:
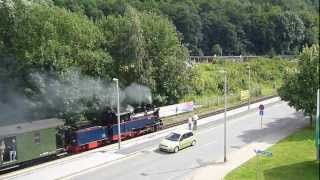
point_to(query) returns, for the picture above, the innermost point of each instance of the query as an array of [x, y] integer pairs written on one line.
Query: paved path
[[196, 162], [218, 170], [140, 159]]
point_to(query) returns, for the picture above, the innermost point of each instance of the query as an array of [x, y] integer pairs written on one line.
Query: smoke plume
[[69, 94]]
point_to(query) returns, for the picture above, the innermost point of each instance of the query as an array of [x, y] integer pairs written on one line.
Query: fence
[[232, 99]]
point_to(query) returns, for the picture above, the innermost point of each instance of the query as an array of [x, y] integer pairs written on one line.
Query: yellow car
[[177, 140]]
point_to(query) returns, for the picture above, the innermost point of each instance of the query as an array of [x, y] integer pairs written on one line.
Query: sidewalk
[[218, 170], [61, 170]]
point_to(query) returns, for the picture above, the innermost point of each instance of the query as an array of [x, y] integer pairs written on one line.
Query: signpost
[[261, 112], [244, 95], [261, 153]]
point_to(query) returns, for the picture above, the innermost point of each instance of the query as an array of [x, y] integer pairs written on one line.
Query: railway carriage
[[28, 141]]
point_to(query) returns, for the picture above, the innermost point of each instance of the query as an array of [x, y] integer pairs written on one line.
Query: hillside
[[58, 57]]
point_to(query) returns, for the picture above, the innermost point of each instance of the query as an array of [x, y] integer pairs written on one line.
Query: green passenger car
[[28, 141]]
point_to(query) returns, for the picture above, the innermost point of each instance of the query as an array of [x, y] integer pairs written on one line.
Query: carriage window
[[36, 137], [8, 149]]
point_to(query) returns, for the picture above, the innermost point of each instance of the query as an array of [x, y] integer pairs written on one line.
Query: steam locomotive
[[29, 141], [131, 125]]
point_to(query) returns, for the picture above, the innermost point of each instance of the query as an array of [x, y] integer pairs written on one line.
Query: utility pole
[[257, 168], [261, 121], [225, 117], [249, 88], [118, 112], [318, 126]]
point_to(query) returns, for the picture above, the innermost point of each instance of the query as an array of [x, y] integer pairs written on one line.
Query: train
[[29, 141]]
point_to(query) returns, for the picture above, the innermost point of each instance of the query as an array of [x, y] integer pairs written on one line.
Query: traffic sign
[[244, 95], [261, 112], [261, 107], [263, 153]]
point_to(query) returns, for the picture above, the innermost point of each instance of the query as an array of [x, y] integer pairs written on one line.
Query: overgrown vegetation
[[266, 76]]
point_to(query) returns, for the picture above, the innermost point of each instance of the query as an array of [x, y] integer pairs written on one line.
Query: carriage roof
[[30, 126]]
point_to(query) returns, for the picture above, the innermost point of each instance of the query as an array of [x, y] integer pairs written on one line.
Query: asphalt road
[[147, 162]]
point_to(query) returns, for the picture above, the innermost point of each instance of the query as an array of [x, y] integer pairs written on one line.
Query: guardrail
[[211, 59]]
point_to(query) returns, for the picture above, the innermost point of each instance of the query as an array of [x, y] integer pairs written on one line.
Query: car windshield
[[173, 137]]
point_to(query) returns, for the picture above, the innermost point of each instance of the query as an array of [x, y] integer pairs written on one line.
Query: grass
[[293, 159]]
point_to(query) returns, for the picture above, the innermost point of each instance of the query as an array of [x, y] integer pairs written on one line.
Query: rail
[[218, 111]]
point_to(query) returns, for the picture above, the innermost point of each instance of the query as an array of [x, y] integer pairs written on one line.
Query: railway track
[[217, 112]]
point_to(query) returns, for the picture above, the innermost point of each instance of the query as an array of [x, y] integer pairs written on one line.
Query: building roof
[[30, 126]]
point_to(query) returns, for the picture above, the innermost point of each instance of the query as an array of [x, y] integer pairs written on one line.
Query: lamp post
[[225, 117], [249, 87], [118, 111], [318, 125]]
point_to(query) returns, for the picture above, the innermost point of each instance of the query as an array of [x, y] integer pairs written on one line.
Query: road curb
[[245, 153]]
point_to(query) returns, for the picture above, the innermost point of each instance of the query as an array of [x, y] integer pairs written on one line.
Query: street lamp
[[118, 111], [225, 116], [249, 88]]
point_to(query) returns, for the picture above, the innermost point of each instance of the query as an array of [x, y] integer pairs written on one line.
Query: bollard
[[195, 119], [190, 123], [194, 125]]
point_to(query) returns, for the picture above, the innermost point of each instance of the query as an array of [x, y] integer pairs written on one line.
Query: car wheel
[[176, 149], [193, 142]]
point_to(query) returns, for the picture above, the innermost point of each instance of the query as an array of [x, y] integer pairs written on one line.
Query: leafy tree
[[217, 50], [125, 41], [146, 49], [50, 38], [300, 88], [289, 32], [249, 26], [168, 57], [311, 23], [186, 18]]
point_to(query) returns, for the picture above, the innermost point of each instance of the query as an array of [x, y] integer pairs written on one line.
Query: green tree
[[300, 89], [168, 57], [50, 38], [289, 32], [249, 26], [187, 20], [125, 41], [146, 49], [217, 50]]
